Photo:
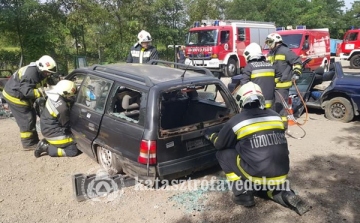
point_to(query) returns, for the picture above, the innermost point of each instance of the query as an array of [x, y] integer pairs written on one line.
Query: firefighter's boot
[[42, 147], [290, 200], [241, 196]]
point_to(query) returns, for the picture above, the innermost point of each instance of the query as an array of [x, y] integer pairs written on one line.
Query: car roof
[[150, 74]]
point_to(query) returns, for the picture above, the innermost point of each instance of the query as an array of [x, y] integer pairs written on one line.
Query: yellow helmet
[[249, 93], [65, 88], [46, 63]]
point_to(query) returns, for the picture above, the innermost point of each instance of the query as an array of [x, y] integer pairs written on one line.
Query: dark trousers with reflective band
[[228, 161], [25, 117], [69, 150]]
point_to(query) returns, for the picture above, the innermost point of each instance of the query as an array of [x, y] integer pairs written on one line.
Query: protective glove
[[212, 137], [41, 91], [295, 77], [296, 71]]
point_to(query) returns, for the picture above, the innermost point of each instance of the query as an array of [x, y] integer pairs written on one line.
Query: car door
[[121, 131], [87, 111], [303, 86]]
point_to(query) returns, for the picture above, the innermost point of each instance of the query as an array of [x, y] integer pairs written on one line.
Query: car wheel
[[339, 109], [231, 68], [108, 160], [355, 61]]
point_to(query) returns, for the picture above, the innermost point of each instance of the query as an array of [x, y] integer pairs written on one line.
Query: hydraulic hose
[[291, 115]]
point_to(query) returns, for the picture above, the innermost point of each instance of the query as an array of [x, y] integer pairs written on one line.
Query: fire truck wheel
[[231, 68], [339, 109], [355, 61]]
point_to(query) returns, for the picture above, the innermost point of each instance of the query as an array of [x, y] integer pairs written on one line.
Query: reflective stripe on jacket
[[259, 138], [21, 88], [284, 59], [261, 73], [55, 122], [140, 55]]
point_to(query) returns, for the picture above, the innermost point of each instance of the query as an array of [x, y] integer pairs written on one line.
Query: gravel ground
[[324, 171]]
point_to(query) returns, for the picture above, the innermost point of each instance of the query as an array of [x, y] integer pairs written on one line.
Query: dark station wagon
[[147, 120]]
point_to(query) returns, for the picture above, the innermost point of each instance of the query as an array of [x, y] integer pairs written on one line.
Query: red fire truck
[[219, 45], [307, 43], [350, 47]]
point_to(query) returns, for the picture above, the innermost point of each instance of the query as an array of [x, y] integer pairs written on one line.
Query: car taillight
[[147, 153]]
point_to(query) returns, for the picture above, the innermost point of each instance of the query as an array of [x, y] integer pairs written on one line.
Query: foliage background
[[104, 30]]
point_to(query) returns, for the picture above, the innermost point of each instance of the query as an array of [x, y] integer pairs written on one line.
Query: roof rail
[[228, 21], [183, 66], [135, 77]]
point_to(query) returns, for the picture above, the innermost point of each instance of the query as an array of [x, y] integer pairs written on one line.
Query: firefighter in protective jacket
[[55, 122], [260, 72], [142, 51], [287, 66], [21, 90], [253, 152]]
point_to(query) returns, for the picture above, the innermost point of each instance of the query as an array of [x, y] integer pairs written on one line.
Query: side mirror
[[242, 37], [305, 46]]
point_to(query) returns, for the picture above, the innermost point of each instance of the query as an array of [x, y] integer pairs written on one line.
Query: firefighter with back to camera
[[288, 68], [253, 153], [142, 51], [21, 90], [55, 122], [260, 72]]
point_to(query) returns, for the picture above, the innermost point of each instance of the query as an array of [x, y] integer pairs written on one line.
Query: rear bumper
[[185, 166]]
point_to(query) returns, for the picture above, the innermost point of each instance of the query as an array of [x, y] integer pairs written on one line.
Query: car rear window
[[193, 104]]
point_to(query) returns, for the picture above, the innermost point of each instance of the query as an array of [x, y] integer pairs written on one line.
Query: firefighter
[[21, 91], [253, 153], [55, 122], [142, 51], [287, 66], [259, 72]]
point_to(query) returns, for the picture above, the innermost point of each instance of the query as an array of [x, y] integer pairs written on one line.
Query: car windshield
[[202, 38], [292, 41]]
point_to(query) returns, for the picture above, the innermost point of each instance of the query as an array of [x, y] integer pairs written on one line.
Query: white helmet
[[248, 93], [46, 63], [144, 37], [65, 88], [272, 39], [253, 51]]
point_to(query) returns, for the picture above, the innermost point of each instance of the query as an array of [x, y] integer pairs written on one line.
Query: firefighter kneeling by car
[[55, 122], [253, 153]]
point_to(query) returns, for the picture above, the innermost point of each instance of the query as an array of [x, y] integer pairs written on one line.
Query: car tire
[[339, 109], [231, 68], [355, 61], [109, 161]]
